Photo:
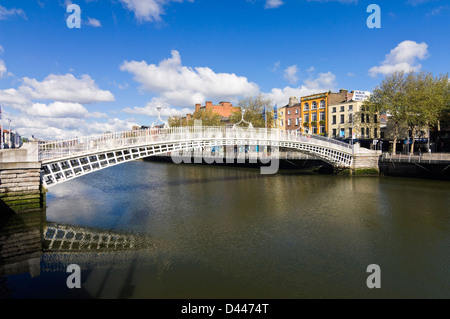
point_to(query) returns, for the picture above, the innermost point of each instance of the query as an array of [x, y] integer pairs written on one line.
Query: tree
[[253, 108], [388, 97], [411, 100], [175, 121], [208, 118], [425, 98]]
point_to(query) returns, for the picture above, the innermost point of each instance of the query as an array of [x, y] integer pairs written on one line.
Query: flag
[[275, 112], [264, 113]]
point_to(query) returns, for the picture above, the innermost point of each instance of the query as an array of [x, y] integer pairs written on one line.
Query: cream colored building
[[347, 120]]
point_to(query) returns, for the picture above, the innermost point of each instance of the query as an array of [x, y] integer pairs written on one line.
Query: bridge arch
[[65, 160]]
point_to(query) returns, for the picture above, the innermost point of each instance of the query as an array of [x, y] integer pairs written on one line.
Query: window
[[306, 117], [314, 129], [314, 105], [362, 118], [306, 106], [322, 104], [350, 132], [289, 112], [375, 132], [296, 121], [322, 129], [342, 119], [367, 118], [281, 113], [362, 132], [296, 111], [350, 118], [334, 119], [314, 117], [334, 132], [342, 108], [368, 132], [289, 122], [322, 116], [342, 133], [350, 107], [375, 118], [334, 110], [281, 123]]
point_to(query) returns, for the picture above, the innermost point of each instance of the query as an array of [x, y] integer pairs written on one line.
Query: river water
[[204, 231]]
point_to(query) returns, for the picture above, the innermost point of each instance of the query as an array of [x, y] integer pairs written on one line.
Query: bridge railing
[[114, 140]]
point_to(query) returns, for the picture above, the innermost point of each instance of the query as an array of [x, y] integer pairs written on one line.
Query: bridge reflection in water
[[31, 245]]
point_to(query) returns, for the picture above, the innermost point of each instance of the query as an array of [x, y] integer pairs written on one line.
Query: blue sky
[[131, 55]]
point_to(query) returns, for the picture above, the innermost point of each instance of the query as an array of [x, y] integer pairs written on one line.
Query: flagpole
[[1, 130]]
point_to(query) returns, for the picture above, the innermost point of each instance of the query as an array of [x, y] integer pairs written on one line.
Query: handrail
[[113, 140]]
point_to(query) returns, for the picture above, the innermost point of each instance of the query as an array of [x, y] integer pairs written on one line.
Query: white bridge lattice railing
[[63, 160]]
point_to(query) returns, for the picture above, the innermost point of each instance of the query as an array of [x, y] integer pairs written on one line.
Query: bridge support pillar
[[365, 162], [20, 182]]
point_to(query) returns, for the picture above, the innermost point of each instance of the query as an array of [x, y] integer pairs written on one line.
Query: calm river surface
[[221, 232]]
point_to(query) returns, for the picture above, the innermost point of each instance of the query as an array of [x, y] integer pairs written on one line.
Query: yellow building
[[280, 122], [314, 110]]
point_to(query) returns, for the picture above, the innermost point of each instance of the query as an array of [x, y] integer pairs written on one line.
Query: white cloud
[[7, 13], [61, 110], [290, 74], [148, 10], [94, 22], [63, 116], [13, 98], [150, 109], [402, 58], [179, 85], [2, 68], [323, 83], [270, 4], [55, 129], [341, 1], [65, 88], [275, 67]]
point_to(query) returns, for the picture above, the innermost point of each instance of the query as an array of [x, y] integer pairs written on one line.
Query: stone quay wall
[[20, 181]]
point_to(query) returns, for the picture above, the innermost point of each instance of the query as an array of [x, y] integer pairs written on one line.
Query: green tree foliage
[[412, 100], [175, 121], [208, 118], [253, 108]]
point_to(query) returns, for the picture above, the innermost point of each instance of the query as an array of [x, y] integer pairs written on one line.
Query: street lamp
[[158, 108], [9, 139], [242, 120]]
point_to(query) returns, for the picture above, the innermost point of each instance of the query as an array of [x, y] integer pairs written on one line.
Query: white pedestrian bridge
[[68, 159]]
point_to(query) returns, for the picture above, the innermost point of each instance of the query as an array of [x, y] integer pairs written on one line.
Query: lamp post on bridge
[[158, 108], [242, 120]]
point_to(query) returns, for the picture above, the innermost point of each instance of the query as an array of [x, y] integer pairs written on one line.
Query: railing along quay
[[417, 158]]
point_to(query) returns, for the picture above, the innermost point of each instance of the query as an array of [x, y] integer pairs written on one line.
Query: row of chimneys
[[293, 100], [208, 104]]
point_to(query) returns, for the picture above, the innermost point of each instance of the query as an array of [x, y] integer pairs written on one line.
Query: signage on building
[[314, 97], [360, 95]]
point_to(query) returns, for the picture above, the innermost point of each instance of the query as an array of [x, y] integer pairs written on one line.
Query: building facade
[[280, 122], [293, 115], [224, 109], [315, 110], [349, 120]]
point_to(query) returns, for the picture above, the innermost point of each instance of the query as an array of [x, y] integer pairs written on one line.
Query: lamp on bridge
[[301, 124], [158, 108], [242, 120]]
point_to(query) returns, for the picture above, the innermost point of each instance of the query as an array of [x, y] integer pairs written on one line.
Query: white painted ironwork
[[59, 237], [64, 160]]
